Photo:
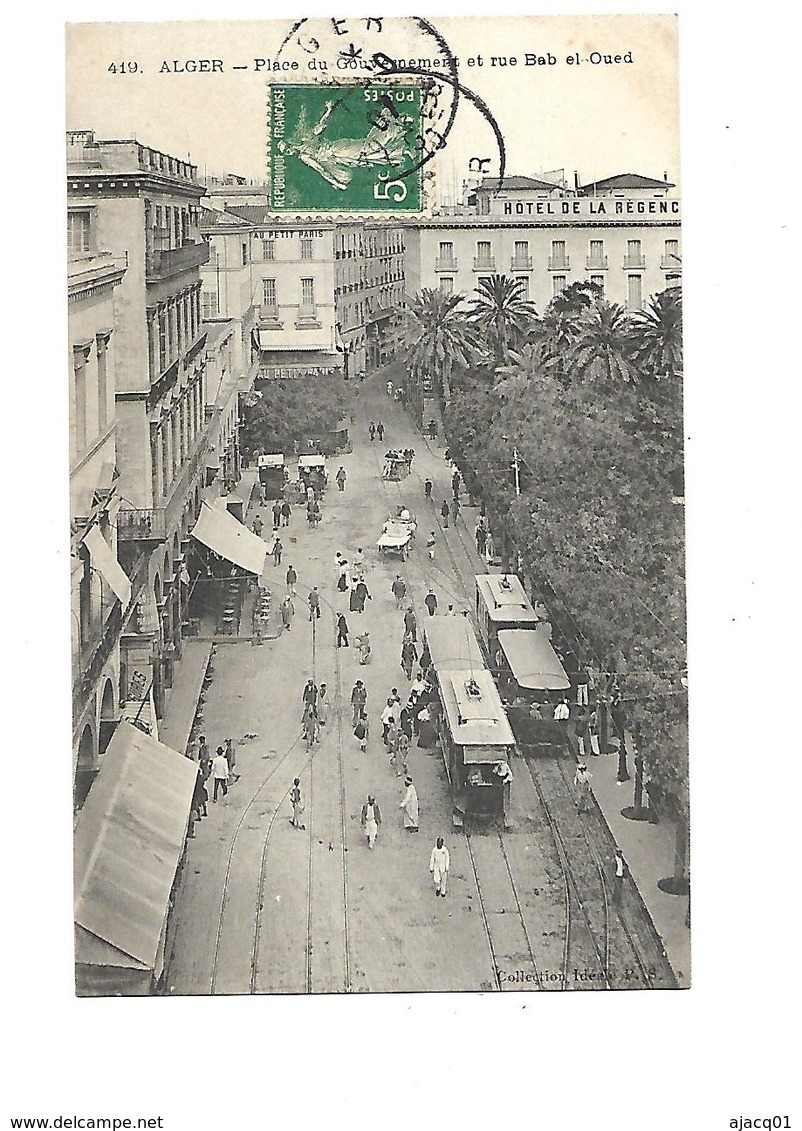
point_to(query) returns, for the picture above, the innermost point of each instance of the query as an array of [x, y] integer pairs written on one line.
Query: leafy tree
[[657, 335], [601, 350], [285, 413], [441, 337], [501, 314]]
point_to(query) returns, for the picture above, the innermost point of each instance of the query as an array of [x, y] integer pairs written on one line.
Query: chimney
[[576, 179], [665, 175]]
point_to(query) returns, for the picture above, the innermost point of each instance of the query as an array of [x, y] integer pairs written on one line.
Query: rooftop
[[626, 181], [123, 155], [491, 184]]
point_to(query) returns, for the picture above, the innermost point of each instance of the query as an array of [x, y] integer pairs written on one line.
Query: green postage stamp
[[339, 147]]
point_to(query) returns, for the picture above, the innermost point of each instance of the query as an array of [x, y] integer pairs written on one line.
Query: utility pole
[[516, 469]]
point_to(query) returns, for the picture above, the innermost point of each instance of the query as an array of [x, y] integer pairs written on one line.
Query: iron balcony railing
[[446, 263], [163, 264], [634, 262], [596, 263], [559, 263], [521, 263], [484, 263], [141, 524]]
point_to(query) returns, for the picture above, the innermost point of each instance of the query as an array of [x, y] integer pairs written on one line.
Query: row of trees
[[589, 398]]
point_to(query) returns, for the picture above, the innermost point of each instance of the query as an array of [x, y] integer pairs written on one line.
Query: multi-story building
[[621, 233], [143, 206], [370, 290]]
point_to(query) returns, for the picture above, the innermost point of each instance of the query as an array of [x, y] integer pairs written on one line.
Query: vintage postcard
[[377, 506]]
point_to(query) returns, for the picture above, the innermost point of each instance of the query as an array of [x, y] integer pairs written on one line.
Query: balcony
[[634, 262], [270, 317], [174, 260], [307, 318], [671, 263], [446, 263], [484, 263], [559, 262], [135, 524], [521, 263], [596, 263]]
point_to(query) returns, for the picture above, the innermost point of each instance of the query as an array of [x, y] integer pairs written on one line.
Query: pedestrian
[[480, 533], [371, 818], [262, 495], [393, 732], [562, 712], [401, 751], [359, 561], [593, 732], [257, 526], [342, 631], [363, 645], [372, 431], [411, 624], [291, 578], [444, 513], [399, 590], [286, 511], [456, 480], [309, 725], [277, 549], [427, 487], [409, 806], [204, 757], [619, 869], [342, 575], [430, 601], [341, 478], [200, 796], [380, 431], [439, 864], [431, 542], [362, 594], [582, 786], [297, 806], [387, 716], [276, 514], [581, 720], [231, 756], [220, 771], [359, 699], [353, 596], [322, 705], [582, 681], [432, 429], [409, 657], [455, 509], [362, 730], [314, 604], [490, 547], [309, 694], [389, 388]]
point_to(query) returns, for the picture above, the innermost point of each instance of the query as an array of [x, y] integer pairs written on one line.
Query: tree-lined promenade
[[586, 400]]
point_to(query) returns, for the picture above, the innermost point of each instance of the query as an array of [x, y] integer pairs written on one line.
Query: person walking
[[291, 579], [480, 534], [297, 805], [387, 716], [362, 594], [286, 511], [314, 604], [409, 657], [431, 542], [231, 756], [581, 720], [430, 601], [456, 482], [257, 526], [409, 806], [342, 631], [393, 732], [411, 624], [444, 513], [593, 732], [277, 549], [309, 725], [562, 711], [220, 772], [342, 575], [619, 870], [200, 796], [359, 561], [363, 646], [455, 509], [341, 478], [353, 597], [362, 730], [380, 432], [490, 547], [399, 590], [309, 694], [359, 700], [370, 820], [401, 745], [582, 786], [427, 488], [204, 757], [276, 514], [372, 431], [439, 864]]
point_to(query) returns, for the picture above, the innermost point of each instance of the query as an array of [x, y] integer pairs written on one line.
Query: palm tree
[[501, 314], [602, 348], [441, 336], [556, 331], [657, 335]]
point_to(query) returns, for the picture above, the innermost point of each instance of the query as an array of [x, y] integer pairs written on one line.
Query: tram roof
[[272, 459], [477, 719], [505, 598], [533, 662], [452, 643]]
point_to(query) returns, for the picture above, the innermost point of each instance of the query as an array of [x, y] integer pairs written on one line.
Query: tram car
[[501, 603], [312, 473], [396, 464], [475, 736], [272, 474]]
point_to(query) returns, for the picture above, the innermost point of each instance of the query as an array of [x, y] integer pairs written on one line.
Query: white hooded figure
[[439, 864], [410, 806]]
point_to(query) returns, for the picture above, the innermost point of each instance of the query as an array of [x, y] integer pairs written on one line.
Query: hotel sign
[[588, 207]]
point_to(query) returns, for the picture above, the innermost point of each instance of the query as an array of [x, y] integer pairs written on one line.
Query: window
[[634, 292], [162, 339], [307, 249], [522, 249], [483, 250], [633, 248], [209, 304], [447, 252], [558, 250], [308, 293], [598, 280], [79, 233], [269, 297], [558, 283], [268, 249], [596, 249], [523, 290], [447, 284]]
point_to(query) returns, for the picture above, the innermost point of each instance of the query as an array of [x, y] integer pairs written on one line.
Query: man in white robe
[[439, 864], [409, 806]]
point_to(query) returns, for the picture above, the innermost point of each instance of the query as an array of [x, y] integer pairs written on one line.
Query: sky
[[596, 118]]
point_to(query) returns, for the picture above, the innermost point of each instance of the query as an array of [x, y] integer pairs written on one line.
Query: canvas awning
[[533, 662], [129, 838], [226, 535], [104, 560]]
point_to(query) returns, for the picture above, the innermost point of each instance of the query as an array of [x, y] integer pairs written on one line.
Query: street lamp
[[515, 466]]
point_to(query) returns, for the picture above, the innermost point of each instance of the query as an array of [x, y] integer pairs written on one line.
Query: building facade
[[369, 290]]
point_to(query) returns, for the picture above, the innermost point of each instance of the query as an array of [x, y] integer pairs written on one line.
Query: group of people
[[220, 769], [315, 711], [376, 432]]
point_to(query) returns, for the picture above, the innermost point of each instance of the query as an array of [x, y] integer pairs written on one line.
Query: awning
[[224, 534], [129, 837], [104, 560], [144, 712], [275, 363], [533, 661]]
